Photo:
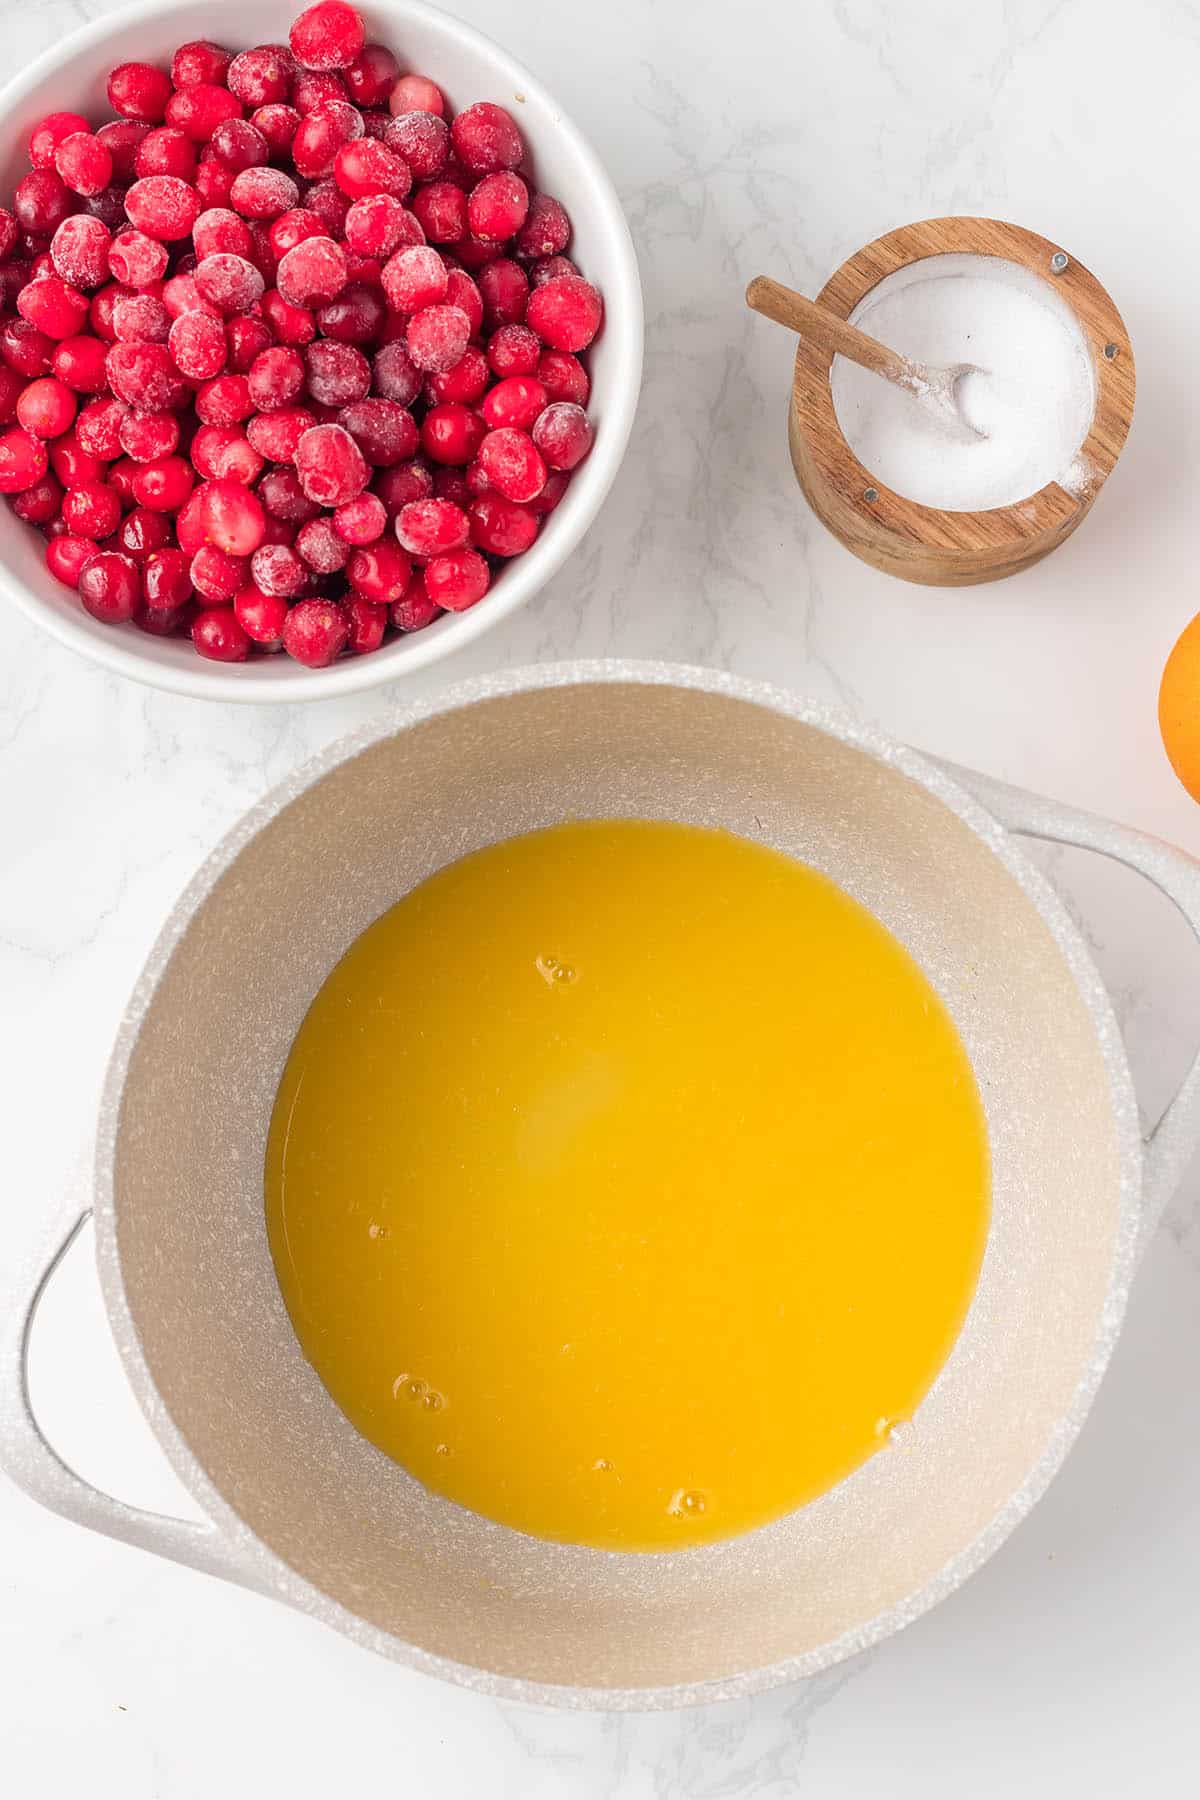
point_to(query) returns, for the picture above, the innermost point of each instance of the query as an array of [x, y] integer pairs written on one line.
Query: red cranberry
[[197, 345], [546, 231], [452, 433], [385, 432], [122, 138], [98, 427], [39, 505], [315, 270], [92, 510], [315, 631], [416, 93], [327, 36], [337, 373], [380, 572], [215, 574], [407, 481], [41, 201], [505, 289], [356, 316], [25, 348], [313, 89], [142, 532], [278, 125], [324, 552], [414, 277], [225, 400], [139, 318], [166, 579], [565, 313], [372, 75], [485, 139], [198, 109], [47, 408], [233, 517], [279, 571], [414, 609], [110, 587], [563, 376], [277, 435], [49, 133], [516, 401], [164, 484], [498, 206], [199, 60], [139, 91], [457, 580], [166, 151], [500, 526], [437, 336], [240, 145], [230, 282], [84, 163], [321, 134], [147, 436], [79, 361], [136, 259], [395, 375], [218, 231], [513, 350], [361, 521], [366, 166], [262, 76], [54, 306], [423, 140], [214, 181], [66, 556], [219, 635], [246, 338], [163, 207], [261, 616], [276, 378], [441, 210], [290, 324], [512, 464]]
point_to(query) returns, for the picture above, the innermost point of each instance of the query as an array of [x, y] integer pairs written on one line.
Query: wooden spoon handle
[[774, 301]]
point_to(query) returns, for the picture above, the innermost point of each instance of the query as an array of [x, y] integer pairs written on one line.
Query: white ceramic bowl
[[468, 67]]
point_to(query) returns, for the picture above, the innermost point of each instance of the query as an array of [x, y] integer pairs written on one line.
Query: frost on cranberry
[[162, 206], [565, 313], [315, 632], [437, 336], [486, 139], [327, 36], [330, 465], [315, 270]]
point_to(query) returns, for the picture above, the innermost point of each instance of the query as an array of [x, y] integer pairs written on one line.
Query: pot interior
[[201, 1290]]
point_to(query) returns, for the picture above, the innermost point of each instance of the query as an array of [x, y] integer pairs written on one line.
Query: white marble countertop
[[776, 139]]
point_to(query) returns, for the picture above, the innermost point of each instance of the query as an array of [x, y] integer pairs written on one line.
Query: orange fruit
[[1179, 708]]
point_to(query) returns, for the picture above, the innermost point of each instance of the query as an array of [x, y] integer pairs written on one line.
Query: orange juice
[[627, 1183]]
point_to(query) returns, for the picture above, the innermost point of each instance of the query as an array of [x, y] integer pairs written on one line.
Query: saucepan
[[300, 1507]]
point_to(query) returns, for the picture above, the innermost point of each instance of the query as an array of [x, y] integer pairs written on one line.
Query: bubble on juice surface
[[602, 1466], [687, 1503], [433, 1401], [441, 1449], [554, 972]]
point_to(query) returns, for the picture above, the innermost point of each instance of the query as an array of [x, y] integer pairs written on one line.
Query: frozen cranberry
[[262, 76], [214, 181], [263, 193], [54, 307], [313, 89], [110, 587], [327, 36], [98, 428], [546, 231], [49, 133], [137, 259], [164, 484], [240, 145], [323, 551], [431, 527], [512, 464], [452, 433], [327, 200], [413, 278], [414, 609], [66, 556], [40, 504], [122, 138], [41, 201], [385, 432], [407, 481], [108, 206], [138, 318], [47, 408], [563, 435], [372, 75], [458, 580], [441, 209], [321, 134], [79, 361], [120, 479], [166, 580], [139, 91], [485, 139], [315, 631], [278, 125], [220, 232], [473, 253], [163, 622], [549, 268], [565, 313], [498, 206], [162, 206], [366, 167], [200, 60], [276, 378], [437, 337], [79, 251], [232, 517], [225, 400], [516, 401], [423, 140], [395, 375], [375, 225], [465, 382], [221, 452], [557, 482], [315, 270], [337, 373], [142, 532], [290, 324], [278, 570], [416, 93], [294, 227], [246, 338], [462, 291], [189, 528], [361, 521], [147, 436], [215, 573], [277, 435], [84, 163], [330, 465], [505, 289], [513, 350], [166, 151], [198, 109], [92, 510], [218, 634], [230, 282], [380, 572], [261, 616], [355, 317], [500, 526], [197, 345], [367, 625]]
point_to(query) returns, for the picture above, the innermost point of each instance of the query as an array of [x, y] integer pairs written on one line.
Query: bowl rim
[[266, 1571], [119, 654]]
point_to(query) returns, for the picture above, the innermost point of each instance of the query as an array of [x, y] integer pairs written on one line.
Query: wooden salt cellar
[[925, 543]]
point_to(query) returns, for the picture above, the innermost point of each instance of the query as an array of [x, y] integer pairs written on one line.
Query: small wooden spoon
[[931, 384]]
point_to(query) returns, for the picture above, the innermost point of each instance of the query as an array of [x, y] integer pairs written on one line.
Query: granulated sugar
[[1033, 400]]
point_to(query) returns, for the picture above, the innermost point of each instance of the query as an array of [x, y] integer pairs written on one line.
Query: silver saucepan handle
[[33, 1463], [1170, 1146], [28, 1456]]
